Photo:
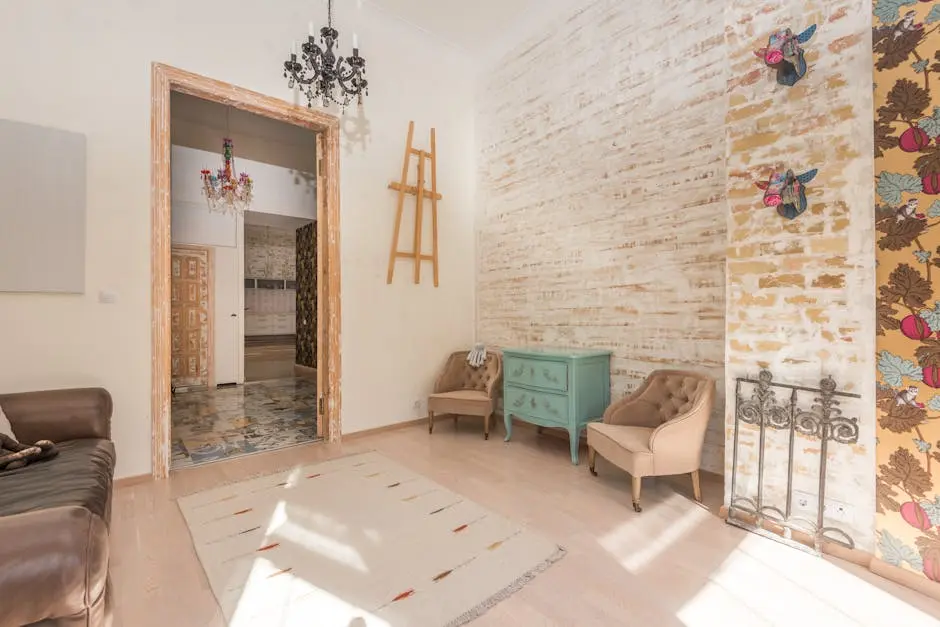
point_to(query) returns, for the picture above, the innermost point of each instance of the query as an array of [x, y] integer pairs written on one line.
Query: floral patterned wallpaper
[[906, 54], [307, 295]]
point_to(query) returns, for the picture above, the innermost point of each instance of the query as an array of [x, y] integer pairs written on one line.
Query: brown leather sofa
[[55, 514]]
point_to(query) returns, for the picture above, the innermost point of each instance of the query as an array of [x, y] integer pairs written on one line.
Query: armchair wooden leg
[[592, 458], [696, 486], [637, 485], [486, 426], [455, 422], [430, 422]]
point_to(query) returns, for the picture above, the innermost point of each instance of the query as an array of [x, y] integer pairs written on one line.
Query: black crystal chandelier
[[322, 74]]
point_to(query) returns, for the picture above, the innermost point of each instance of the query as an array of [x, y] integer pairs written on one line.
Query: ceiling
[[486, 29]]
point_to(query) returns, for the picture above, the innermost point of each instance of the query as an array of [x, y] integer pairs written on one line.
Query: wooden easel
[[420, 194]]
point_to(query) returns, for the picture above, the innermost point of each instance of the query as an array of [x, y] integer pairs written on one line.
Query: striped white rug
[[357, 541]]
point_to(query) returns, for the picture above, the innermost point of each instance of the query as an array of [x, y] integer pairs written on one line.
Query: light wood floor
[[674, 564]]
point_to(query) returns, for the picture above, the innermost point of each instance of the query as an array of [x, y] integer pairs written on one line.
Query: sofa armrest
[[59, 415], [55, 564]]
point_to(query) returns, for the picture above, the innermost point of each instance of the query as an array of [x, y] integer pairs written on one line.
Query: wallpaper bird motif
[[906, 56]]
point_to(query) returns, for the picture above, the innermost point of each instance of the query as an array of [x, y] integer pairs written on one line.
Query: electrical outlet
[[843, 512], [418, 404], [802, 500], [805, 503]]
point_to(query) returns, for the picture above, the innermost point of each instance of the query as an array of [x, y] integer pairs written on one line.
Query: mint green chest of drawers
[[556, 387]]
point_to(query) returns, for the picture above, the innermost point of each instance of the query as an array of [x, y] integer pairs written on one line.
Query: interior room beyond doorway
[[243, 286]]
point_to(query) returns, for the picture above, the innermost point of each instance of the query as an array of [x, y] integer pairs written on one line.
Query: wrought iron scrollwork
[[763, 408], [822, 420]]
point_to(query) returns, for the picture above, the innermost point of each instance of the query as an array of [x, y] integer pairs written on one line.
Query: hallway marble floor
[[259, 416]]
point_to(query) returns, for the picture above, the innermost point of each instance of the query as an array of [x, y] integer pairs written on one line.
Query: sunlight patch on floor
[[281, 526], [792, 588], [272, 598], [629, 545]]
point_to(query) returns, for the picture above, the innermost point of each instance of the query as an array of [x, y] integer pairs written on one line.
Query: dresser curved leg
[[507, 420], [575, 442]]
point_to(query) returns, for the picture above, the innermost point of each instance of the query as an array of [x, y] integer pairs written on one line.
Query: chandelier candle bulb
[[355, 44], [310, 28]]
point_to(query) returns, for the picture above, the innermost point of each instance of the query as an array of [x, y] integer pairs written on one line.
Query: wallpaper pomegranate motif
[[906, 54]]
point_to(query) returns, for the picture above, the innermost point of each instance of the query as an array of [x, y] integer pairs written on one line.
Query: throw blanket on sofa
[[14, 454]]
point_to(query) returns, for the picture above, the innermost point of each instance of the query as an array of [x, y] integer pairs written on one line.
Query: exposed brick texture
[[602, 192], [800, 292], [619, 154]]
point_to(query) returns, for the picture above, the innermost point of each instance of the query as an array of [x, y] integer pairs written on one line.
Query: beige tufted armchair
[[463, 390], [657, 430]]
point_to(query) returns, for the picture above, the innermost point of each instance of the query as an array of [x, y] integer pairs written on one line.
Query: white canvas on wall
[[42, 209]]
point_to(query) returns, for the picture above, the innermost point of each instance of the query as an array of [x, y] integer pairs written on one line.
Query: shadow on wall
[[356, 130]]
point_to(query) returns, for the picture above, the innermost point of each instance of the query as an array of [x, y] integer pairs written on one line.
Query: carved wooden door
[[190, 328]]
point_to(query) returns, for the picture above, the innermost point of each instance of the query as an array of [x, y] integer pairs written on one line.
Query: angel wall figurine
[[784, 54], [787, 192]]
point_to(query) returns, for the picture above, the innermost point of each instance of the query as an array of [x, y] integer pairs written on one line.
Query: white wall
[[394, 338]]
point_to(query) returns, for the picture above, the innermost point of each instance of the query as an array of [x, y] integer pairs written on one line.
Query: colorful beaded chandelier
[[223, 191]]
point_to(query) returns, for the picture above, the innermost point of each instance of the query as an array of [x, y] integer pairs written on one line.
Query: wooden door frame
[[166, 79], [210, 308]]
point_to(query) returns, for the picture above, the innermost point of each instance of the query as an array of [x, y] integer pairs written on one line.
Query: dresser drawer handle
[[551, 409], [519, 402], [518, 371], [546, 373]]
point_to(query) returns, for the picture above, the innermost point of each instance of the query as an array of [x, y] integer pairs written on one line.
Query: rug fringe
[[483, 607]]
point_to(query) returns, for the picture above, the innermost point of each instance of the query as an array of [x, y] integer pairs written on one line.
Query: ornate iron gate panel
[[822, 420]]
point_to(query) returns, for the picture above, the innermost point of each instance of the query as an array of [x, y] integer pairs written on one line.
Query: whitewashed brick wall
[[801, 292], [602, 192]]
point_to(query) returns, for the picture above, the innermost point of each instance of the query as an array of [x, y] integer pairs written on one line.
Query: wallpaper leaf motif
[[928, 354], [905, 470], [899, 235], [891, 186], [933, 510], [907, 286], [906, 101], [895, 48], [886, 317], [890, 10], [931, 124], [885, 497], [928, 163], [934, 15], [893, 369], [895, 552], [902, 418]]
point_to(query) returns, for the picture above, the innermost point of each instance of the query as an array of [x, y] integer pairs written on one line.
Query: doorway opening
[[234, 280], [214, 300]]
